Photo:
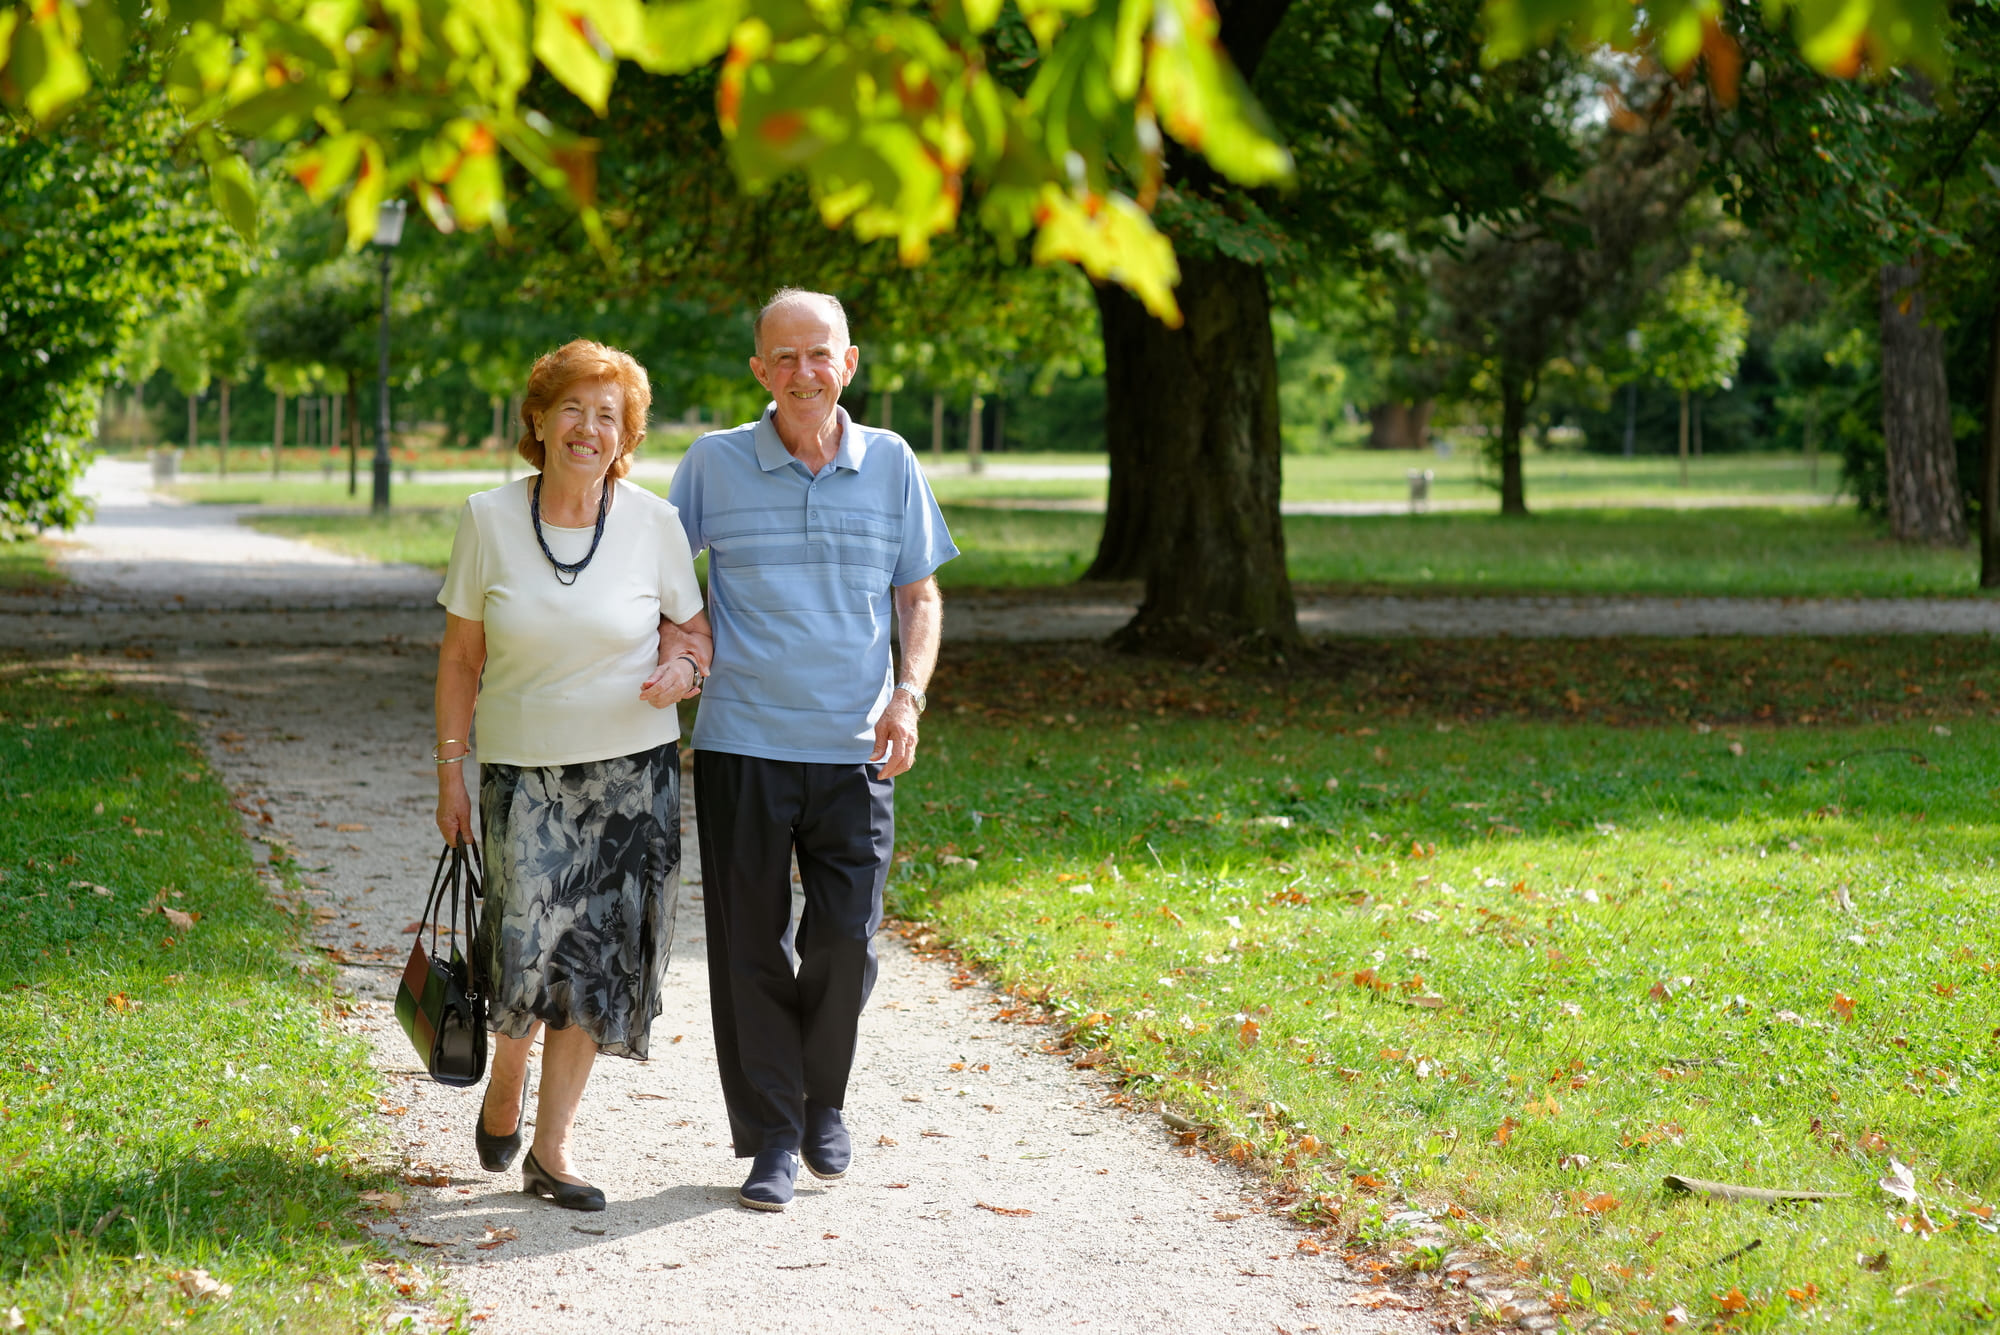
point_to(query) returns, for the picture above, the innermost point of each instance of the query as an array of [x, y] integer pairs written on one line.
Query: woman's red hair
[[581, 359]]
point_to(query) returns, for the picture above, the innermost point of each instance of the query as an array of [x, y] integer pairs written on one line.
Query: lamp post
[[388, 231]]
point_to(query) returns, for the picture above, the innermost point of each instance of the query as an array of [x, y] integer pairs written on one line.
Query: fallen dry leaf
[[1842, 1007], [200, 1286], [1676, 1316], [383, 1200], [118, 1001], [349, 827], [1505, 1132], [1002, 1209], [1899, 1182], [640, 1094], [91, 886], [1732, 1301], [1602, 1203], [1247, 1035], [496, 1236]]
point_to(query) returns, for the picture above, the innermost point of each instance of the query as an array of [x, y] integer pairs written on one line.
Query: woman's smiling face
[[581, 433]]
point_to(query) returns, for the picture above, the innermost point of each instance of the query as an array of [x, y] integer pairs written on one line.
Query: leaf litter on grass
[[1629, 929]]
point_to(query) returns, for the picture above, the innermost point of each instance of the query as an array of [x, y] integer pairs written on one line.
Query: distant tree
[[1514, 296], [322, 320], [1693, 338]]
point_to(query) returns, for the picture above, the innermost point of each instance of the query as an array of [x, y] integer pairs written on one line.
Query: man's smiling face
[[804, 360]]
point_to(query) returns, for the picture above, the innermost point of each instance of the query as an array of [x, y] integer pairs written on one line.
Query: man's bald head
[[824, 302]]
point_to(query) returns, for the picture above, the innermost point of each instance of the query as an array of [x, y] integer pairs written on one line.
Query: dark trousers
[[786, 1037]]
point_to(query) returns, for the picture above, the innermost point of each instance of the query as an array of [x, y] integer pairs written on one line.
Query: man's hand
[[896, 736]]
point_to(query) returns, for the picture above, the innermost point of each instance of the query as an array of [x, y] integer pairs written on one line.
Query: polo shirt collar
[[772, 454]]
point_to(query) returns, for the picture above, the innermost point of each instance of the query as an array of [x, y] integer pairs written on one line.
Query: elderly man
[[814, 526]]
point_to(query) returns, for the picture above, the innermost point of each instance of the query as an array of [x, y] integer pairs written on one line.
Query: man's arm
[[690, 639], [920, 624]]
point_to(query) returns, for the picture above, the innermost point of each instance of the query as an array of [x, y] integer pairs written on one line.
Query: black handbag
[[441, 1004]]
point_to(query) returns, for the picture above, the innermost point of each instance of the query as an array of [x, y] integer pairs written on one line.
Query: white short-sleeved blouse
[[564, 663]]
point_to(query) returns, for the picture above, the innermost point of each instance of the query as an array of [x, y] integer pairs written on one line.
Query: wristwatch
[[699, 676], [916, 695]]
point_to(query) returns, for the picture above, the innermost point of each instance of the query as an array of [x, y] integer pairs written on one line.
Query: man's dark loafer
[[539, 1181], [769, 1186], [496, 1153], [828, 1149]]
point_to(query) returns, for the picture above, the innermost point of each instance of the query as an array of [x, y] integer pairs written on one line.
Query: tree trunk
[[1631, 419], [1684, 438], [1695, 408], [194, 422], [278, 433], [1191, 422], [1812, 442], [1989, 481], [353, 428], [937, 428], [1924, 500], [222, 443], [973, 461], [1515, 395], [1399, 426]]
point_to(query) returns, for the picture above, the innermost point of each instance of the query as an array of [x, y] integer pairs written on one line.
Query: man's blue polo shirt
[[800, 570]]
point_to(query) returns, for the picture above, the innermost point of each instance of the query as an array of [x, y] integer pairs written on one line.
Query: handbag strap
[[466, 876]]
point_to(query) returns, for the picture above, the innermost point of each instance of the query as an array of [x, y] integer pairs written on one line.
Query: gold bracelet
[[453, 760], [450, 741]]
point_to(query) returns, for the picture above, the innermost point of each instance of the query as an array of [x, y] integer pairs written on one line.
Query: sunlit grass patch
[[27, 566], [1520, 971], [176, 1113]]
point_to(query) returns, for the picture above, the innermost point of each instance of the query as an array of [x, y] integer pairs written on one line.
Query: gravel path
[[994, 1188]]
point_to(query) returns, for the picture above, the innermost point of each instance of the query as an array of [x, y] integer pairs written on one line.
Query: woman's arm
[[674, 678], [460, 659]]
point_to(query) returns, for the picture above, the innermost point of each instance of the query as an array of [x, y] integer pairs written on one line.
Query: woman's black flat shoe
[[538, 1181], [496, 1153]]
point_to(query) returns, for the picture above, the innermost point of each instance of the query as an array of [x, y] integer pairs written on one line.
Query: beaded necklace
[[570, 568]]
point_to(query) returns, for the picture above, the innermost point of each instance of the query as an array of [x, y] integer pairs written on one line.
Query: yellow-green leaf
[[683, 34], [364, 202], [1204, 102], [570, 44], [234, 193], [44, 68], [325, 167], [1111, 238]]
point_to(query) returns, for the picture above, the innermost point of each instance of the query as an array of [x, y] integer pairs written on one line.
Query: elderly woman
[[559, 588]]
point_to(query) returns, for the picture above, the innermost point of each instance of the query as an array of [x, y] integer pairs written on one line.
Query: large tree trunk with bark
[[1191, 420], [1989, 480], [1925, 504]]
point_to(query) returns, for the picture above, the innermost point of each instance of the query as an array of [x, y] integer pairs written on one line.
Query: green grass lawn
[[1770, 552], [174, 1102], [1433, 927], [26, 566]]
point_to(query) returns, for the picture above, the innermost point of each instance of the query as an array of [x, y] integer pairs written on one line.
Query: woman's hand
[[671, 682], [454, 808]]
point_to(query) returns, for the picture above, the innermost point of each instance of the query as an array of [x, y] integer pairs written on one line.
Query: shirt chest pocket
[[867, 549]]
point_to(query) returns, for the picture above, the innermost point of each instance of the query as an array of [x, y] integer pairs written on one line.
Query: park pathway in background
[[232, 583], [994, 1187]]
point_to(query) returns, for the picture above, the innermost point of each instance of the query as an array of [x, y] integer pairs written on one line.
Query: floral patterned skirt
[[582, 875]]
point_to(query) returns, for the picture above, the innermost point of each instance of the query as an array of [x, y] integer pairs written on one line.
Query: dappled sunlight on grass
[[174, 1097], [1519, 969]]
